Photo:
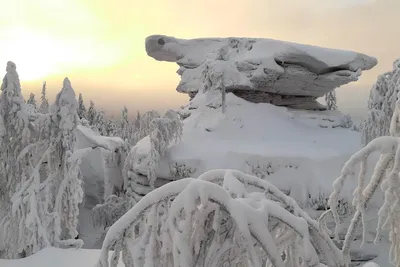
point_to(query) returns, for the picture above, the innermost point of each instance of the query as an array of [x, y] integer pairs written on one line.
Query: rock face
[[260, 70]]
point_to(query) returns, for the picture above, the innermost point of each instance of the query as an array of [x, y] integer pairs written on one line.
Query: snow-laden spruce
[[15, 135], [44, 202], [81, 108], [386, 175], [381, 104], [32, 101], [126, 128], [223, 218], [44, 105]]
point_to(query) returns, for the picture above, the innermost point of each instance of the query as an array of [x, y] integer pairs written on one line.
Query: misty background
[[99, 44]]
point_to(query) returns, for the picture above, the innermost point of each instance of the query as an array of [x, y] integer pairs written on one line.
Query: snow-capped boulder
[[260, 70]]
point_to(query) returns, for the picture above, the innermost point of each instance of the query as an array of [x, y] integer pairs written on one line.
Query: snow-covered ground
[[55, 257], [298, 151]]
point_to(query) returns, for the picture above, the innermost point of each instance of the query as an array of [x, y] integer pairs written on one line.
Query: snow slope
[[298, 151]]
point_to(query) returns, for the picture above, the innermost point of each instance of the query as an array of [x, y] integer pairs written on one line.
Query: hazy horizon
[[99, 44]]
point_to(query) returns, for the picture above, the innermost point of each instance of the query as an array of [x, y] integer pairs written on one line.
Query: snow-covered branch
[[387, 175], [224, 217]]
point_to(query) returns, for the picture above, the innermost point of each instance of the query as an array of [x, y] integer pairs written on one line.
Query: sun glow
[[39, 55]]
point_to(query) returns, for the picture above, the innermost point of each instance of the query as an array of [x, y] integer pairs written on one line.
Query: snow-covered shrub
[[85, 122], [107, 213], [346, 121], [381, 105], [330, 99], [386, 175], [223, 218], [179, 171]]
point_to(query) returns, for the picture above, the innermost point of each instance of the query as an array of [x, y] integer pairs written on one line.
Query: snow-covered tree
[[144, 124], [44, 106], [99, 123], [330, 99], [126, 128], [381, 105], [15, 135], [387, 176], [81, 107], [110, 127], [92, 113], [222, 218], [45, 202], [124, 124], [31, 100], [137, 120]]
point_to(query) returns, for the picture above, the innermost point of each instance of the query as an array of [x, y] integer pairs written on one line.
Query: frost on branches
[[223, 218], [386, 175], [381, 104], [45, 202]]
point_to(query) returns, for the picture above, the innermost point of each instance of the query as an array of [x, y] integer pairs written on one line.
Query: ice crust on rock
[[260, 69]]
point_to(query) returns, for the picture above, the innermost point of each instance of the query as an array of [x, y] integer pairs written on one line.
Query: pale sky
[[99, 44]]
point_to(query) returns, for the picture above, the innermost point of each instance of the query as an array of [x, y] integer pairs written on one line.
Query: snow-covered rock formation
[[282, 143], [260, 70]]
